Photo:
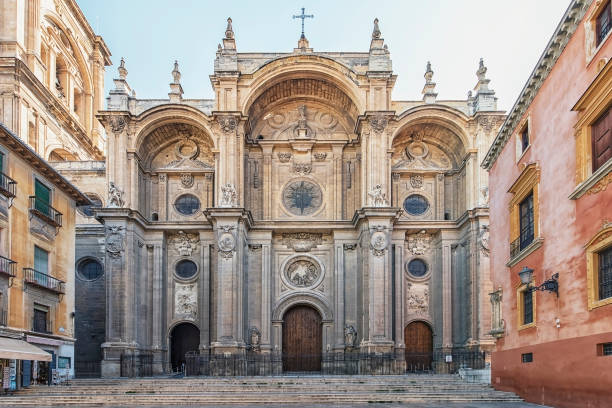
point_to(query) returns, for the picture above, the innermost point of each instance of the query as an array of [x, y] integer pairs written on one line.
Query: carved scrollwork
[[302, 241], [284, 157], [117, 123], [302, 168], [187, 180], [185, 243], [227, 123], [114, 240], [378, 123]]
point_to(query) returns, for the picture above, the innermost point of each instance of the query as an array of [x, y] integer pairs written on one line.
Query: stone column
[[447, 290], [266, 296], [338, 345], [400, 301], [204, 296]]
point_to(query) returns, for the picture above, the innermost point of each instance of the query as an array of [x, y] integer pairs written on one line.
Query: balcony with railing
[[7, 267], [8, 186], [42, 280], [44, 211]]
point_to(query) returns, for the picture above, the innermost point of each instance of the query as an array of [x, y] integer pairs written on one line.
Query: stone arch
[[310, 298], [304, 67], [61, 154], [181, 321]]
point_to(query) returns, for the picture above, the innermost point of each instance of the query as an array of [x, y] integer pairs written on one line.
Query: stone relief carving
[[379, 123], [42, 228], [320, 156], [114, 240], [254, 339], [419, 243], [227, 123], [163, 177], [226, 241], [302, 241], [378, 241], [302, 168], [187, 180], [377, 197], [297, 123], [350, 247], [484, 240], [186, 300], [484, 192], [498, 325], [416, 181], [229, 196], [115, 196], [302, 273], [117, 123], [417, 299], [186, 152], [185, 243], [284, 157], [350, 336]]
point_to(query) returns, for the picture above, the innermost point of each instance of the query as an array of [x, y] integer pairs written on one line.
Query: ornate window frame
[[520, 292], [527, 182], [591, 105], [602, 240], [591, 48], [526, 122]]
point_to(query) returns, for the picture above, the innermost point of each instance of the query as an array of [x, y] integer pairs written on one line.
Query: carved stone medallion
[[379, 242], [302, 272], [302, 197], [416, 180], [227, 241], [114, 240], [187, 180]]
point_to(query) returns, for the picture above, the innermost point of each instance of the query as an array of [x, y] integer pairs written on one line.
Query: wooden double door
[[302, 339], [419, 346]]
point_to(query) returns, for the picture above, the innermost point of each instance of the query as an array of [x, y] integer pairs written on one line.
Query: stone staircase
[[285, 390]]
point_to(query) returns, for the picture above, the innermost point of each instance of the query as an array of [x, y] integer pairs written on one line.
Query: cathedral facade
[[301, 213]]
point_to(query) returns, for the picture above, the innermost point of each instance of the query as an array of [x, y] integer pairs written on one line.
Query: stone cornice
[[19, 148], [564, 31]]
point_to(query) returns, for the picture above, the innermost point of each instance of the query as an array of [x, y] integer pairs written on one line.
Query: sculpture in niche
[[378, 241], [254, 339], [302, 197], [416, 180], [226, 241], [418, 243], [378, 198], [350, 336], [228, 198], [114, 240], [115, 196], [186, 300], [302, 273], [284, 157], [302, 241], [185, 243], [187, 180], [302, 130], [418, 299], [484, 240]]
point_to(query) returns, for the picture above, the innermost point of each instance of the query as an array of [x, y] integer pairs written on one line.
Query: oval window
[[90, 269], [187, 204], [417, 268], [416, 204], [186, 269]]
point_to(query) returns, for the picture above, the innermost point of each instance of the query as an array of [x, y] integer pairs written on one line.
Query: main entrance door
[[184, 337], [419, 346], [302, 339]]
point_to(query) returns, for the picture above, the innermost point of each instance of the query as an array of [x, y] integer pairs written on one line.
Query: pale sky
[[453, 34]]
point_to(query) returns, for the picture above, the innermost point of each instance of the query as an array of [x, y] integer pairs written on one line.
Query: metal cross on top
[[303, 17]]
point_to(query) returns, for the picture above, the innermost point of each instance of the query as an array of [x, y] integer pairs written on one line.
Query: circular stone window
[[302, 272], [302, 197], [87, 210], [90, 269], [186, 269], [187, 204], [416, 204], [417, 268]]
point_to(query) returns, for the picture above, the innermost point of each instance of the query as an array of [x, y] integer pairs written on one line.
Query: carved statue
[[228, 198], [378, 197], [255, 338], [115, 196], [350, 336]]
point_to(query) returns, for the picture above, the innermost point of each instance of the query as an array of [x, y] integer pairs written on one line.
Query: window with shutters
[[601, 139], [42, 195], [599, 268], [526, 307], [597, 27], [603, 22]]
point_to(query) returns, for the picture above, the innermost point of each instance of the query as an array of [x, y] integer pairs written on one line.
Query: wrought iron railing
[[137, 365], [43, 210], [7, 267], [515, 247], [3, 318], [8, 186], [43, 280]]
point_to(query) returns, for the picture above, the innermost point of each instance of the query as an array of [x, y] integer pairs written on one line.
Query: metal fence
[[87, 369], [445, 362], [137, 365]]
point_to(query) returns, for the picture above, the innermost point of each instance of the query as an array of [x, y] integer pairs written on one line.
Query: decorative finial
[[482, 70], [303, 16], [229, 31], [376, 32], [429, 94], [219, 48], [122, 70], [176, 74], [428, 73]]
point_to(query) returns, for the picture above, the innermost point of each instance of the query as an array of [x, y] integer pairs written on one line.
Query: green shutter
[[41, 260], [43, 197], [1, 162]]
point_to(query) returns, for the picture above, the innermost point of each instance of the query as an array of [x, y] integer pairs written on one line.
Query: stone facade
[[301, 183]]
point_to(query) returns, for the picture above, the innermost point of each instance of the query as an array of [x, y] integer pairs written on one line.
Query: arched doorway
[[419, 346], [302, 339], [184, 337]]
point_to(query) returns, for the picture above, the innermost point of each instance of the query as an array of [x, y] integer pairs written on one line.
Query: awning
[[20, 350]]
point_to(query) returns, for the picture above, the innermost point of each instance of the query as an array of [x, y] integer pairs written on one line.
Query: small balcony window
[[604, 23]]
